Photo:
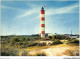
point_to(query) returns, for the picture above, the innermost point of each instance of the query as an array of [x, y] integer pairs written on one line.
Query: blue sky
[[23, 17]]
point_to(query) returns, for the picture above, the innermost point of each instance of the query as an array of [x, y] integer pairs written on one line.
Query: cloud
[[27, 20], [67, 9], [33, 9], [32, 5], [12, 8], [51, 11], [29, 12]]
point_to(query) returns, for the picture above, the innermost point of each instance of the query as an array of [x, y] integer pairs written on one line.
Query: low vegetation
[[57, 41], [16, 45], [37, 54], [74, 41]]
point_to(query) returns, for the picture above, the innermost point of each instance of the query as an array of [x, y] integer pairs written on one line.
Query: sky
[[23, 17]]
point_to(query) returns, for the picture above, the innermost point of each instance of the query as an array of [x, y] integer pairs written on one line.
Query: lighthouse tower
[[42, 22]]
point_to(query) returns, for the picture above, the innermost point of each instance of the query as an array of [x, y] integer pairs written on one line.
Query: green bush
[[24, 53], [14, 40], [57, 41], [60, 37], [41, 44], [4, 54], [24, 44], [50, 37], [47, 39], [21, 44], [38, 54], [68, 38], [9, 52], [31, 44], [41, 54], [74, 41]]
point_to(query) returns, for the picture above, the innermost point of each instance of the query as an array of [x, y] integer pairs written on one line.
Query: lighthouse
[[42, 22]]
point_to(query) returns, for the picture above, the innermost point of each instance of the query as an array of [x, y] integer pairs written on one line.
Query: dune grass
[[69, 52], [37, 54], [45, 47]]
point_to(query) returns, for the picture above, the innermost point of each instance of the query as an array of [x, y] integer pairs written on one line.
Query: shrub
[[20, 44], [41, 44], [40, 54], [24, 44], [47, 38], [59, 37], [50, 37], [27, 39], [13, 40], [9, 52], [57, 41], [24, 53], [68, 38], [16, 40], [32, 44], [68, 53], [37, 54], [74, 41], [4, 54]]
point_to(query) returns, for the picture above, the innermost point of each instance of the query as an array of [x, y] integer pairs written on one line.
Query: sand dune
[[59, 50]]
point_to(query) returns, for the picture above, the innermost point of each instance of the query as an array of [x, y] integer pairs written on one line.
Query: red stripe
[[42, 25], [42, 32], [42, 18], [42, 12]]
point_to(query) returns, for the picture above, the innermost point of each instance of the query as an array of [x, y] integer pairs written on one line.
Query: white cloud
[[12, 8], [32, 5], [67, 9], [51, 11], [29, 12]]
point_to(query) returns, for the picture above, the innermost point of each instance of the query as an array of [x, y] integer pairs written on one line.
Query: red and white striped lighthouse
[[42, 22]]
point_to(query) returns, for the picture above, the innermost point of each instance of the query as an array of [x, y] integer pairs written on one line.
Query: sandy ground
[[62, 51], [59, 51]]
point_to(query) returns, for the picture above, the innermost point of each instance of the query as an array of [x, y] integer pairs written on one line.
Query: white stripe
[[42, 22], [42, 15], [42, 28]]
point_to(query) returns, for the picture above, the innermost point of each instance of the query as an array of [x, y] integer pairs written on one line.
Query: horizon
[[40, 33], [23, 18]]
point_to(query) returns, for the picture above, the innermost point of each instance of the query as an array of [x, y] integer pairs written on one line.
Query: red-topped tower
[[42, 22]]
